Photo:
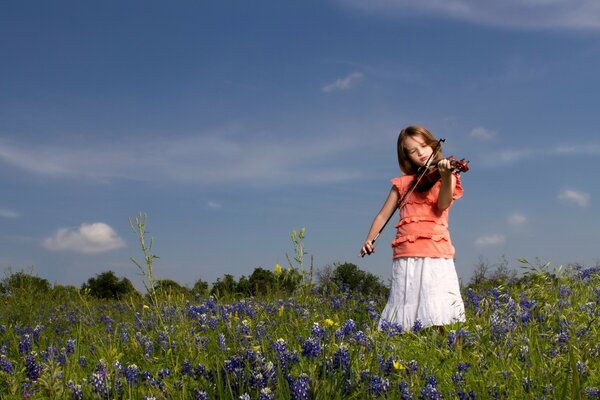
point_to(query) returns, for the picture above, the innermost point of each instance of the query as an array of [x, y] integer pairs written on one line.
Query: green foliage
[[348, 277], [200, 288], [169, 287], [106, 285], [23, 284]]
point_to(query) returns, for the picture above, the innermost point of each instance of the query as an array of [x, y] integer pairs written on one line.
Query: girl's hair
[[411, 131]]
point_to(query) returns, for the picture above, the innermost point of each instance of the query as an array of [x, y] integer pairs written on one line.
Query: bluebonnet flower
[[164, 372], [186, 368], [280, 345], [311, 348], [32, 368], [70, 349], [82, 361], [341, 359], [6, 365], [462, 395], [463, 367], [299, 387], [25, 344], [317, 331], [221, 342], [413, 366], [149, 397], [99, 385], [592, 392], [347, 329], [378, 385], [452, 338], [62, 358], [527, 384], [266, 394], [76, 391], [132, 374], [581, 368], [361, 339], [391, 328], [430, 392], [405, 393], [245, 396], [417, 327], [37, 331]]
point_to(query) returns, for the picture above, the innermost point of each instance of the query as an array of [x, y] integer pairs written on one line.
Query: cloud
[[482, 134], [581, 199], [592, 149], [344, 83], [528, 14], [213, 158], [88, 239], [4, 213], [490, 240], [517, 219], [212, 204]]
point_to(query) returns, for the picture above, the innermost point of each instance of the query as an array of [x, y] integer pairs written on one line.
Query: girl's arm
[[380, 219], [448, 185]]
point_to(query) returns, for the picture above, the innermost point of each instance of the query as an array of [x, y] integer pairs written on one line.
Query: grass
[[535, 337]]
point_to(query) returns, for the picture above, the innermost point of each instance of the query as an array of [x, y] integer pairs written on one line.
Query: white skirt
[[424, 289]]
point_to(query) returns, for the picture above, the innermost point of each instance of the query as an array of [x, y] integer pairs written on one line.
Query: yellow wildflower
[[280, 311], [278, 269], [329, 322], [398, 365]]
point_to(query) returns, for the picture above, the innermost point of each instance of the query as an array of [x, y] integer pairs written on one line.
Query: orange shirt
[[423, 228]]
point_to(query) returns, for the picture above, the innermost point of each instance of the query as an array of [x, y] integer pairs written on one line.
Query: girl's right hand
[[367, 248]]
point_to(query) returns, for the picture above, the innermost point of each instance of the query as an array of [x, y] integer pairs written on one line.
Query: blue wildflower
[[25, 345], [405, 393], [266, 394], [76, 391], [70, 349], [6, 365], [299, 387], [311, 348], [341, 359], [378, 385], [317, 331], [32, 368], [418, 326], [132, 374]]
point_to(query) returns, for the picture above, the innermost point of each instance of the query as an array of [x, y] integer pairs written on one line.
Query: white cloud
[[212, 204], [88, 238], [517, 219], [490, 240], [565, 14], [574, 150], [4, 213], [212, 158], [344, 83], [482, 134], [582, 199]]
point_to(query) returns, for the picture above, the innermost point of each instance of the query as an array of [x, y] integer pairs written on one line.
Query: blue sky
[[233, 123]]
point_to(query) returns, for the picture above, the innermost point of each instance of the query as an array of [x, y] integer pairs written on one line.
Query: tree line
[[337, 277]]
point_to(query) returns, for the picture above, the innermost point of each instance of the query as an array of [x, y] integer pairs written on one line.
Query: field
[[535, 337]]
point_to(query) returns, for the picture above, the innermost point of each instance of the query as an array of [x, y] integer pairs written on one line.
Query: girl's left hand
[[445, 168]]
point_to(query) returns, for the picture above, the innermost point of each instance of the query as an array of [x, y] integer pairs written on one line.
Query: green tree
[[200, 287], [170, 287], [226, 287], [348, 277], [21, 283], [106, 285]]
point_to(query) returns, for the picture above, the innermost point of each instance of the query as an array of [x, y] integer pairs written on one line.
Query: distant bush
[[23, 284], [349, 277], [106, 285]]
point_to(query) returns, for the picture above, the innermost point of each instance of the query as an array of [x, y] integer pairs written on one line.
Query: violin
[[427, 176]]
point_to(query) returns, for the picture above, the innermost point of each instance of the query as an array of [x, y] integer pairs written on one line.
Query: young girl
[[425, 289]]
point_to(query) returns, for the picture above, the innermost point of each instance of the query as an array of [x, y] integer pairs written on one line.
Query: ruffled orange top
[[423, 228]]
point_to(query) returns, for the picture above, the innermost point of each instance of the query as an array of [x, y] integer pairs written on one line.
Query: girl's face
[[417, 150]]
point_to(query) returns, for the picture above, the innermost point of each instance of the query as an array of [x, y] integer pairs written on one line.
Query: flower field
[[537, 337]]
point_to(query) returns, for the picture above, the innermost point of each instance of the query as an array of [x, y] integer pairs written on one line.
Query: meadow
[[531, 337]]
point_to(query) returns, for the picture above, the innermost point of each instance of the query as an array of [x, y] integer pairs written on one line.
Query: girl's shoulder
[[401, 182]]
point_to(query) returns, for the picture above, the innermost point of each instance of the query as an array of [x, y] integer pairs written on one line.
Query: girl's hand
[[367, 248], [445, 168]]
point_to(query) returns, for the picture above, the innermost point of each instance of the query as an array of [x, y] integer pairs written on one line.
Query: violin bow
[[422, 170]]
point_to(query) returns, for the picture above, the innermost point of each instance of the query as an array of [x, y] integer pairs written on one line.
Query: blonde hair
[[404, 162]]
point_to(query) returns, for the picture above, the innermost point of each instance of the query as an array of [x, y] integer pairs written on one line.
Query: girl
[[425, 290]]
